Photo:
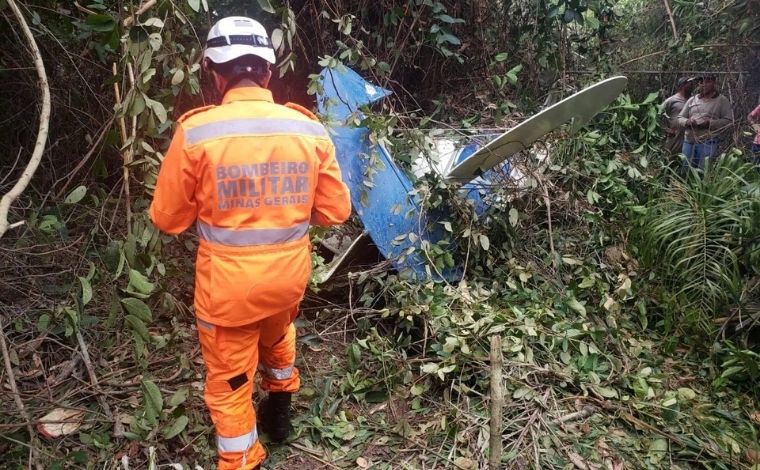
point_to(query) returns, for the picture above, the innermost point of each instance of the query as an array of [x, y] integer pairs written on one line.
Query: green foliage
[[701, 237], [411, 375], [574, 322]]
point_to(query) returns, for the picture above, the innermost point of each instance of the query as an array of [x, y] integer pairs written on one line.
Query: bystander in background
[[705, 118], [670, 109]]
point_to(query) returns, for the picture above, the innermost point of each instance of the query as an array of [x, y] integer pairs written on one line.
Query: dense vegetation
[[625, 291]]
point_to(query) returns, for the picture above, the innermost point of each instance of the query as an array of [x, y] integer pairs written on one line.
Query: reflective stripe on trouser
[[276, 362], [231, 355]]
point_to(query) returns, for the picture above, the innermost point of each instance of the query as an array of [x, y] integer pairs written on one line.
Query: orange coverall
[[252, 175]]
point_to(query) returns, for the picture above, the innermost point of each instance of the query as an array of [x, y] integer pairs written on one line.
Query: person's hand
[[703, 123], [690, 122]]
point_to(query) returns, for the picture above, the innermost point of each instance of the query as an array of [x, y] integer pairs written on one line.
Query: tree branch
[[42, 134], [16, 395], [130, 20], [497, 404], [672, 21]]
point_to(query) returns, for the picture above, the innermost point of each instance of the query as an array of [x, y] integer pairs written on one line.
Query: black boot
[[274, 415]]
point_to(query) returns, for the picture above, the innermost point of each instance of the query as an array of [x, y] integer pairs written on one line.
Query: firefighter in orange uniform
[[252, 175]]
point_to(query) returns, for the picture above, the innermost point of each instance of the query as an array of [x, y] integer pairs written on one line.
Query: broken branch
[[586, 412], [118, 431], [672, 21], [497, 404], [130, 20], [14, 392]]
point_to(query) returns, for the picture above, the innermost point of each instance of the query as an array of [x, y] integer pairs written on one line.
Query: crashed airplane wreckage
[[388, 206]]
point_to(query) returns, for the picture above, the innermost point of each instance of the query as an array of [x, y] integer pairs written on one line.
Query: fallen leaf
[[465, 464], [580, 462], [361, 462], [60, 422]]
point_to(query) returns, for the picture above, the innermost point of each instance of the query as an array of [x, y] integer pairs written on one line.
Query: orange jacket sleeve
[[174, 207], [332, 201]]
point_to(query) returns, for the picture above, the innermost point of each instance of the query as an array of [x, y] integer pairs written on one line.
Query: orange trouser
[[232, 357]]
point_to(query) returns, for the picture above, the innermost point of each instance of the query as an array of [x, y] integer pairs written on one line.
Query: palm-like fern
[[699, 235]]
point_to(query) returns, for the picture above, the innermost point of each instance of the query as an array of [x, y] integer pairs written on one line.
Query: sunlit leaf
[[76, 195], [266, 5], [86, 290], [174, 429], [152, 401]]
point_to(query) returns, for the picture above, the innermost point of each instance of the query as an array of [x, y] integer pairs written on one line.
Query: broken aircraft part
[[382, 193], [576, 109]]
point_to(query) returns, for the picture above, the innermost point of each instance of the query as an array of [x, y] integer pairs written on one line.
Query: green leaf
[[592, 197], [138, 308], [576, 306], [658, 448], [158, 108], [175, 428], [670, 402], [429, 368], [448, 19], [155, 22], [686, 393], [195, 5], [354, 356], [86, 290], [101, 23], [606, 392], [277, 39], [76, 195], [139, 283], [138, 327], [177, 78], [148, 74], [449, 38], [501, 57], [72, 320], [152, 401], [484, 241], [513, 217], [651, 97], [179, 397], [43, 322], [266, 5], [515, 70], [155, 41], [522, 392], [137, 105], [733, 370]]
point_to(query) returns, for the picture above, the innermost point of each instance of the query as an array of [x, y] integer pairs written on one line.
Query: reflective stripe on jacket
[[253, 175]]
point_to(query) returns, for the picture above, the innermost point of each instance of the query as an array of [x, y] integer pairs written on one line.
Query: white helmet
[[236, 36]]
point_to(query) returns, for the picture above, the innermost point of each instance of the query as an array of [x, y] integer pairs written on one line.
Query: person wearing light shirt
[[706, 117]]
